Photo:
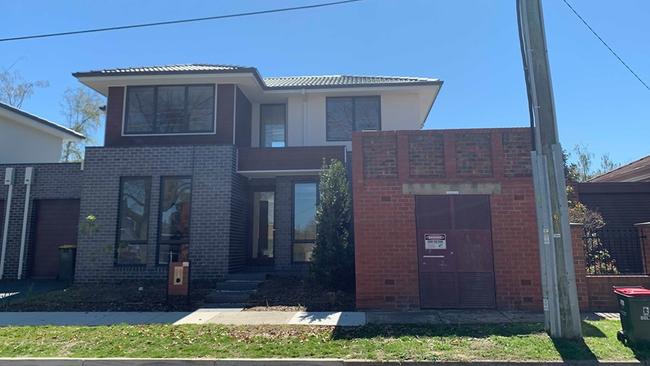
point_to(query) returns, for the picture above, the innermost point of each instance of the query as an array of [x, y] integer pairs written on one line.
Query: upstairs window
[[348, 114], [273, 122], [170, 109]]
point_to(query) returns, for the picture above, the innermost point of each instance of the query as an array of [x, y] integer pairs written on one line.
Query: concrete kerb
[[238, 317], [284, 361]]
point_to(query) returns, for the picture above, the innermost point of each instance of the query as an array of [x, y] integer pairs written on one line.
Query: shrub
[[333, 256]]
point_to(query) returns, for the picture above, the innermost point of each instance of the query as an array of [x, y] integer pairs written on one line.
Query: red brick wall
[[384, 217], [601, 295], [577, 232], [426, 155]]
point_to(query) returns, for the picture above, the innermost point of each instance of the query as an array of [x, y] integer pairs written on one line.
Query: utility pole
[[561, 312]]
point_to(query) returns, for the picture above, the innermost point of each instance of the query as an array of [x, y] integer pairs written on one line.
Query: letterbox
[[178, 283]]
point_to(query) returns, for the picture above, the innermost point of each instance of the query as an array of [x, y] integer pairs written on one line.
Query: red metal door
[[455, 251], [56, 224]]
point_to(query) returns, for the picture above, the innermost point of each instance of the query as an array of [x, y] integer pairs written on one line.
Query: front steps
[[235, 290]]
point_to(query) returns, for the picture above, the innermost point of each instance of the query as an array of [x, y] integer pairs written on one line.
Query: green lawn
[[480, 342]]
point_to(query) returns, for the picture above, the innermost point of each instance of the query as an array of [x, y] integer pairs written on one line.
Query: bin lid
[[632, 291]]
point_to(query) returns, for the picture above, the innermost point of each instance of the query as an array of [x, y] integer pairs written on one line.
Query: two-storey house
[[219, 166]]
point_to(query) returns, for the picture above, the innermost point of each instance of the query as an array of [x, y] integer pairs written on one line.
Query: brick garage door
[[56, 223], [455, 258]]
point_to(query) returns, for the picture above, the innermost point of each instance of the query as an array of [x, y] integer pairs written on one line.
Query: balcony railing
[[286, 159]]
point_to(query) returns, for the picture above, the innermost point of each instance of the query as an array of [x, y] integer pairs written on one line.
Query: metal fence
[[614, 252]]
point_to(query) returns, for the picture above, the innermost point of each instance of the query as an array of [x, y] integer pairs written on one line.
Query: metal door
[[455, 251]]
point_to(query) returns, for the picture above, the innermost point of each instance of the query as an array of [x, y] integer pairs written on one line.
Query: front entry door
[[455, 251], [263, 228]]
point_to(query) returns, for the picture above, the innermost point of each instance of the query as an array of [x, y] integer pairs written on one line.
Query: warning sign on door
[[435, 241]]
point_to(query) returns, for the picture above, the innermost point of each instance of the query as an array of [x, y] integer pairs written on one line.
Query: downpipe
[[23, 236], [9, 181]]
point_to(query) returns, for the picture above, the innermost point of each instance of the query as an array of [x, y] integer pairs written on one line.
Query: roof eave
[[63, 132], [433, 101], [99, 74]]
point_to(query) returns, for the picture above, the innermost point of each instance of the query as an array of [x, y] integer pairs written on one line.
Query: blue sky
[[471, 45]]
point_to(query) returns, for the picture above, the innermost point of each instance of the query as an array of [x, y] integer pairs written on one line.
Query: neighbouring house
[[30, 149], [622, 197], [26, 138], [636, 171], [208, 163]]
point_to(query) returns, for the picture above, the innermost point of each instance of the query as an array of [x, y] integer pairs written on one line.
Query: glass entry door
[[263, 227]]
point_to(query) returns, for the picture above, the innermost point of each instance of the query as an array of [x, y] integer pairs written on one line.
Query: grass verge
[[457, 343]]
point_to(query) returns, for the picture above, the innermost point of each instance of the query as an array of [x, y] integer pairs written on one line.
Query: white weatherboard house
[[26, 138]]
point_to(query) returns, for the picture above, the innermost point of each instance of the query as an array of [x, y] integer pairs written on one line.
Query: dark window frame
[[160, 200], [147, 208], [155, 131], [293, 214], [354, 117], [251, 195], [286, 134]]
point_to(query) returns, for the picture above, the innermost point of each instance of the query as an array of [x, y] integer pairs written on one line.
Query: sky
[[472, 45]]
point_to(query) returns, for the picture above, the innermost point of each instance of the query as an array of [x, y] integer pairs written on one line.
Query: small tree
[[597, 257], [333, 256]]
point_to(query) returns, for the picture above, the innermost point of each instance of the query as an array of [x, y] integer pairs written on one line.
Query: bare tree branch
[[82, 114], [14, 90]]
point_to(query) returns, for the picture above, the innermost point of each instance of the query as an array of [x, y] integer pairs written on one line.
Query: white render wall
[[22, 144], [399, 111]]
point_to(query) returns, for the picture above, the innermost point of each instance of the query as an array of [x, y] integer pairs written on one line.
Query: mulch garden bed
[[127, 296], [276, 294]]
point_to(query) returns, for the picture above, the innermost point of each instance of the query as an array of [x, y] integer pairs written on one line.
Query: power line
[[155, 24], [606, 45]]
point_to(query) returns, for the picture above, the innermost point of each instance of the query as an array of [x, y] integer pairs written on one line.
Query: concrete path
[[239, 317], [91, 318]]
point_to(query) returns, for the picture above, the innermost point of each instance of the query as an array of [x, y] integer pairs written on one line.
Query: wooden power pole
[[561, 312]]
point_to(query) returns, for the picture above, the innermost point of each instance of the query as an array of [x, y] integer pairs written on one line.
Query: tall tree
[[333, 256], [607, 164], [14, 90], [584, 165], [82, 114], [584, 159]]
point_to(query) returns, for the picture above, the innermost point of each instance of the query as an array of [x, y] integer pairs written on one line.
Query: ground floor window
[[174, 227], [133, 221], [305, 197]]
